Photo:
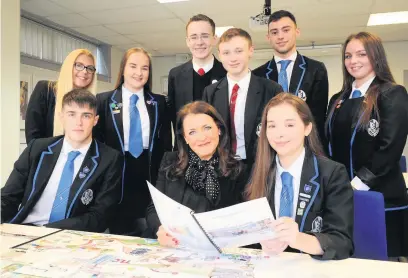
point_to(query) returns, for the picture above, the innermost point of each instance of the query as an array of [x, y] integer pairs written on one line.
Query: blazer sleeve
[[171, 100], [98, 130], [165, 131], [13, 191], [103, 209], [391, 138], [336, 237], [36, 115], [153, 221], [320, 98]]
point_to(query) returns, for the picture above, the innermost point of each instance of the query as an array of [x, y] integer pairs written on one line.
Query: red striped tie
[[201, 71], [233, 100]]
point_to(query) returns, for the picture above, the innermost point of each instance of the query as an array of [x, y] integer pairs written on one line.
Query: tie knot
[[201, 71], [284, 64], [356, 94], [72, 155], [235, 88], [286, 178], [133, 99]]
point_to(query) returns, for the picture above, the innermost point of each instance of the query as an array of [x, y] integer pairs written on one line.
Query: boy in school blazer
[[37, 191], [305, 77], [241, 108], [187, 81]]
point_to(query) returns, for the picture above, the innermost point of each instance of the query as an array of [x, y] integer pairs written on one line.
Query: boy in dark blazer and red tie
[[67, 182], [240, 96], [297, 74], [187, 81]]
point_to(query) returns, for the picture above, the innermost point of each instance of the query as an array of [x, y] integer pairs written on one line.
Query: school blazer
[[260, 91], [93, 195], [231, 192], [39, 121], [109, 128], [325, 206], [180, 86], [309, 81], [382, 171]]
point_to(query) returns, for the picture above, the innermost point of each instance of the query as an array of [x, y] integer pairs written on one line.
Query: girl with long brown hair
[[134, 121], [367, 128], [310, 195]]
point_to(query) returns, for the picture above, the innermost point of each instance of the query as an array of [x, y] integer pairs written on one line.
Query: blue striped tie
[[286, 198], [356, 94], [59, 206], [283, 76], [135, 134]]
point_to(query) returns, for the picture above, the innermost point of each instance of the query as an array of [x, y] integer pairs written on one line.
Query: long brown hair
[[378, 60], [264, 170], [120, 80], [228, 166]]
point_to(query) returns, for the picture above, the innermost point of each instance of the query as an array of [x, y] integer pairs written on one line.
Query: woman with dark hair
[[134, 121], [367, 128], [310, 195], [203, 174]]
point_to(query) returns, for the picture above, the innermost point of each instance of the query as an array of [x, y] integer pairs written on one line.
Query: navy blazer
[[309, 81], [93, 194]]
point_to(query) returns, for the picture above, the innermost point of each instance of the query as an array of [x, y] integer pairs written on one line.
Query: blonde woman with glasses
[[77, 71]]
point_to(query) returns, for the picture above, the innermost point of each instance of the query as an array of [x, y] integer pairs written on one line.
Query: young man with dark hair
[[240, 96], [187, 81], [67, 182], [297, 74]]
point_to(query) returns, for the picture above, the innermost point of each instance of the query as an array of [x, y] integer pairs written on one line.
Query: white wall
[[397, 54], [35, 74]]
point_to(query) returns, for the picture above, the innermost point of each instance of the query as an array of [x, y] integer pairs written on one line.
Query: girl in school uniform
[[309, 195], [77, 71], [134, 121], [367, 128]]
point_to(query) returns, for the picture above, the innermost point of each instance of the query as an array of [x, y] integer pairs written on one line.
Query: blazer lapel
[[251, 109], [298, 73], [115, 106], [187, 79], [309, 187], [222, 105], [272, 70], [85, 172], [272, 200], [46, 166], [151, 105]]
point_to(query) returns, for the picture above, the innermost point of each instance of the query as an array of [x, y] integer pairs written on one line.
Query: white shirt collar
[[291, 57], [243, 83], [295, 169], [363, 88], [127, 93], [67, 148], [207, 67]]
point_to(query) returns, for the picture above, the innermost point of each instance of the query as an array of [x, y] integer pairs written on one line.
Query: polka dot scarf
[[202, 177]]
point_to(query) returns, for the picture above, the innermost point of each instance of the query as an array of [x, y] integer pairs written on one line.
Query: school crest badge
[[302, 95], [373, 127], [87, 197], [258, 130], [317, 225]]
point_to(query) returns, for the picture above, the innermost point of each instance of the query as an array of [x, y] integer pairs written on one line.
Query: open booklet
[[234, 226]]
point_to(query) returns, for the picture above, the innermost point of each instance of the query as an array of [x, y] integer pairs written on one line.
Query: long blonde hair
[[65, 84]]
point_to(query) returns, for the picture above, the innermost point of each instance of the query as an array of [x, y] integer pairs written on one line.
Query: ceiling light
[[388, 18], [171, 1], [220, 30]]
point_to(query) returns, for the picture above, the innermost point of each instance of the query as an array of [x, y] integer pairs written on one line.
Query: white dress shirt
[[289, 69], [40, 214], [363, 88], [239, 116], [296, 171], [207, 67], [144, 117]]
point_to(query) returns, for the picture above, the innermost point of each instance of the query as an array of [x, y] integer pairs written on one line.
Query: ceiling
[[160, 28]]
